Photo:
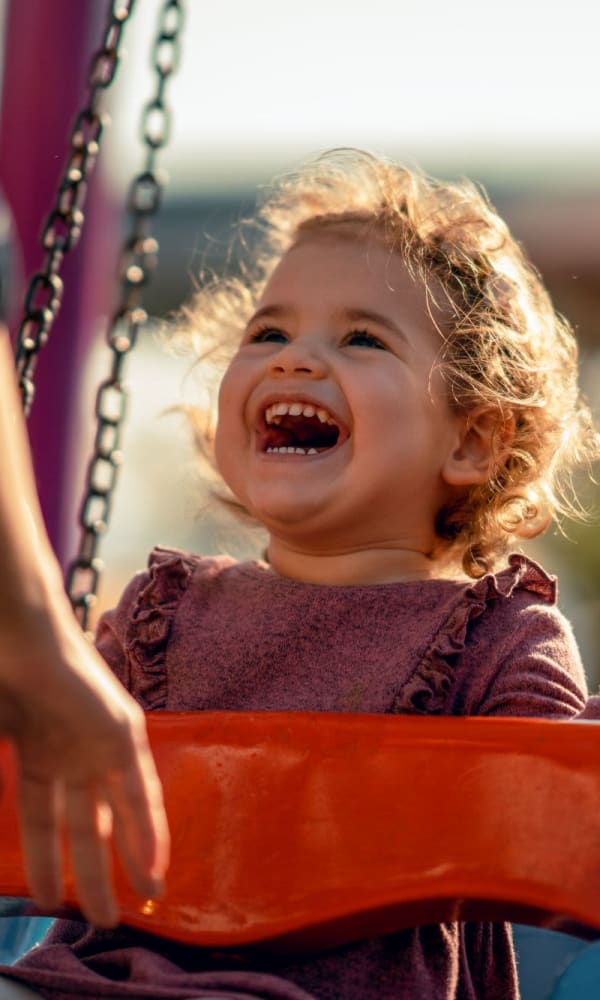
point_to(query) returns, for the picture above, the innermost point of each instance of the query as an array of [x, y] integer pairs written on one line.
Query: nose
[[298, 358]]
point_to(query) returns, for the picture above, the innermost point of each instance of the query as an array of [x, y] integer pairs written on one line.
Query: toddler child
[[400, 406]]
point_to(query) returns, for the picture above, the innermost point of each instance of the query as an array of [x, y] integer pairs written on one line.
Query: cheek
[[230, 423], [223, 413]]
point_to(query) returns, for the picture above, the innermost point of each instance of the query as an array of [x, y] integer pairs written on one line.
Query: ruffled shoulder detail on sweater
[[168, 578], [427, 691]]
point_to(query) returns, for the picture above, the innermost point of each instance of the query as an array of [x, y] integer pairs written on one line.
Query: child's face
[[333, 429]]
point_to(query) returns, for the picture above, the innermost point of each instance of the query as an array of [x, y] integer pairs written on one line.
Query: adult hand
[[84, 763], [83, 760]]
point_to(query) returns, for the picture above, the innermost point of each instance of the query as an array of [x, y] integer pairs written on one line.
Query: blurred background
[[505, 94]]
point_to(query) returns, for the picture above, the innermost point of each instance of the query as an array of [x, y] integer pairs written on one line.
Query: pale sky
[[265, 84]]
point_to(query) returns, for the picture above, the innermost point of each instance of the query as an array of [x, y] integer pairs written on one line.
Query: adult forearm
[[80, 739], [29, 573]]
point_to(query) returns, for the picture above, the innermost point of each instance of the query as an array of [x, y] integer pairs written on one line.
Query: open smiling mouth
[[299, 429]]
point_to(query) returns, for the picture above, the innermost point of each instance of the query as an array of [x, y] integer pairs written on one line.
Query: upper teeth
[[274, 412]]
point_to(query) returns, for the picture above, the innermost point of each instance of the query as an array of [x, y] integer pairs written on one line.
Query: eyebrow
[[351, 313], [277, 312], [356, 314]]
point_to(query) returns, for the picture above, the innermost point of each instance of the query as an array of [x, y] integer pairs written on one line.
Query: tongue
[[307, 432], [299, 432], [277, 437]]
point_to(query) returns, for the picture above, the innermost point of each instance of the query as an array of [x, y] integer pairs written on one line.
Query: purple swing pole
[[47, 52]]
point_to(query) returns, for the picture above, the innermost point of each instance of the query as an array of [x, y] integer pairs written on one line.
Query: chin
[[275, 515], [279, 518]]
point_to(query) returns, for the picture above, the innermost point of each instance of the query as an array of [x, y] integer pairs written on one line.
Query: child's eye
[[269, 335], [361, 338]]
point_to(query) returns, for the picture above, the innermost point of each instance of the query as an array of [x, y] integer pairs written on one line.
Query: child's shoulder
[[512, 598], [519, 655], [156, 591], [515, 607], [505, 648], [521, 574], [167, 561], [171, 570], [518, 603]]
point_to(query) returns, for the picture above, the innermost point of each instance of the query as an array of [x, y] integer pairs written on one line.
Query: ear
[[484, 439]]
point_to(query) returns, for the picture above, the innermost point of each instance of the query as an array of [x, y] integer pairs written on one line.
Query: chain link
[[138, 259], [63, 226]]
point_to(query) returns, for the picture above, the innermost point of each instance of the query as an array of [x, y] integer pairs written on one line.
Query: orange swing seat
[[305, 830]]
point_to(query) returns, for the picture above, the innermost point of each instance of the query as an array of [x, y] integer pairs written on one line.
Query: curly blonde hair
[[503, 347]]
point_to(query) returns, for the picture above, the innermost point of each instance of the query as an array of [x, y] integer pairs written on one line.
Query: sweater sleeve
[[521, 659]]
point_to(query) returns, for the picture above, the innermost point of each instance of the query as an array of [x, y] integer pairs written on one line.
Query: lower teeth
[[292, 451]]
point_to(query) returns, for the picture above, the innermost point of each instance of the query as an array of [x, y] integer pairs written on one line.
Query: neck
[[362, 566]]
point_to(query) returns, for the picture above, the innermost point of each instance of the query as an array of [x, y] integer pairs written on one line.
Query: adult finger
[[89, 825], [140, 823], [40, 803]]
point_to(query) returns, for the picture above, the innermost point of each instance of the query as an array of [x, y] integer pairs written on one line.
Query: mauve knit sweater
[[212, 633]]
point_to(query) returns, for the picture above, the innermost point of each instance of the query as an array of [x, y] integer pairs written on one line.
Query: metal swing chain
[[138, 259], [63, 226]]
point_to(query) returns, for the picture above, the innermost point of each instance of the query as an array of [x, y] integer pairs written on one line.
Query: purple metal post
[[47, 52]]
